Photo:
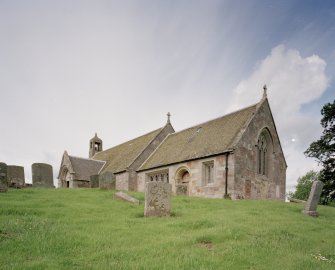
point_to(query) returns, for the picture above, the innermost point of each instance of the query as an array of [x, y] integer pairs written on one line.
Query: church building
[[238, 155]]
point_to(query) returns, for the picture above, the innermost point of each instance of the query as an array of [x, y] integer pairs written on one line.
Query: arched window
[[262, 155]]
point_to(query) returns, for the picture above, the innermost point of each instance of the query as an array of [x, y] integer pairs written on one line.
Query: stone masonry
[[248, 183], [3, 177], [15, 176], [157, 199], [94, 181], [125, 197], [107, 180], [42, 175], [313, 199]]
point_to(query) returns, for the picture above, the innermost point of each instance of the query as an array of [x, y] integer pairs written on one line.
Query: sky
[[70, 68]]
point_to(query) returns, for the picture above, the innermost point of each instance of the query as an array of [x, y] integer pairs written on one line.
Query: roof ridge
[[153, 152], [128, 141], [145, 147], [88, 159]]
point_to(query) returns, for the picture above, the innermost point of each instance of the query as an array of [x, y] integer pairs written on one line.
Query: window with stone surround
[[162, 176], [262, 155], [208, 168], [264, 149]]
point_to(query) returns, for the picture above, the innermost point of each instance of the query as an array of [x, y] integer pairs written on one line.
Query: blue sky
[[72, 68]]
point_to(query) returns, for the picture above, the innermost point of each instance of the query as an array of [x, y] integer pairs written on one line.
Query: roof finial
[[264, 93], [95, 135], [168, 119]]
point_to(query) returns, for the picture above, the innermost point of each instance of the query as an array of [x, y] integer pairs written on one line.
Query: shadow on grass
[[173, 214]]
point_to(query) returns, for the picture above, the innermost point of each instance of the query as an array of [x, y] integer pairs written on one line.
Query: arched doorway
[[65, 177], [182, 180]]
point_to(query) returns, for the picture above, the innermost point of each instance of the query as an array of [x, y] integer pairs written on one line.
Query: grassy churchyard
[[88, 229]]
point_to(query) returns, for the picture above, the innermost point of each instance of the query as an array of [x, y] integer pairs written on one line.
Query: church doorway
[[182, 180]]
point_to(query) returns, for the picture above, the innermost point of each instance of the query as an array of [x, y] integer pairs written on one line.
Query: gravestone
[[313, 199], [181, 189], [42, 175], [125, 197], [107, 180], [94, 181], [15, 176], [3, 177], [157, 199]]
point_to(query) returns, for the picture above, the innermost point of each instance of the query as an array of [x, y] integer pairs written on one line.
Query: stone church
[[238, 155]]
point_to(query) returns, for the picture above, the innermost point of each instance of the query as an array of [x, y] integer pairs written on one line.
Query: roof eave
[[230, 150]]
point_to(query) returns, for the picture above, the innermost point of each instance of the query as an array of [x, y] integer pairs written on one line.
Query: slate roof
[[84, 167], [207, 139], [118, 158]]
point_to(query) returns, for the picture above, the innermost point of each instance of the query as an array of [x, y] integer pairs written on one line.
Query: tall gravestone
[[157, 199], [313, 199], [3, 177], [94, 181], [42, 175], [15, 176], [107, 180]]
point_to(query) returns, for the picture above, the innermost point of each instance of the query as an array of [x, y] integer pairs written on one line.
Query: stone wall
[[65, 175], [107, 180], [15, 176], [94, 181], [79, 184], [122, 181], [196, 185], [248, 183]]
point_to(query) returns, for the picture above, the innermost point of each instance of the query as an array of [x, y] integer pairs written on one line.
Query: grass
[[88, 229]]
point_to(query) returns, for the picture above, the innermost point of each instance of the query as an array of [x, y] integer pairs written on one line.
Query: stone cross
[[157, 199], [3, 177], [313, 199]]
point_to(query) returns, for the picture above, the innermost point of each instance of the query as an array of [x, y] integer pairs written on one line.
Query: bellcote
[[95, 145]]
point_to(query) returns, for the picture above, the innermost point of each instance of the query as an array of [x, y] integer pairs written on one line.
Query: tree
[[304, 186], [324, 151]]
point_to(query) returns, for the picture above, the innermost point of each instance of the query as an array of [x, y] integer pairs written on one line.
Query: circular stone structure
[[42, 175], [3, 177], [15, 176]]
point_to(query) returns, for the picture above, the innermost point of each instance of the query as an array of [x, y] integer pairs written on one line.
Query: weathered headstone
[[15, 176], [94, 181], [157, 199], [3, 177], [42, 175], [125, 197], [107, 180], [181, 189], [313, 199]]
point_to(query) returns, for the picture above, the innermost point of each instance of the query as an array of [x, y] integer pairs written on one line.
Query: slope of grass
[[88, 229]]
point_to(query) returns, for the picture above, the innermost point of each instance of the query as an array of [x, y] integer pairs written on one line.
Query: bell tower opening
[[95, 145]]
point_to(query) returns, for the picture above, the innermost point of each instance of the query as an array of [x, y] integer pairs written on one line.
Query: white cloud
[[292, 81]]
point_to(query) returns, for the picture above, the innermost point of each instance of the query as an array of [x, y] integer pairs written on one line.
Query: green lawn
[[88, 229]]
